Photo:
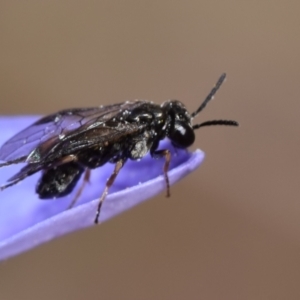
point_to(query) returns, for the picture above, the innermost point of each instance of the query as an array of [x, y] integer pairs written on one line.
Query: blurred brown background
[[232, 229]]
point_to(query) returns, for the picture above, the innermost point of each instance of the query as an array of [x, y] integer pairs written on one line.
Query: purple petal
[[26, 221]]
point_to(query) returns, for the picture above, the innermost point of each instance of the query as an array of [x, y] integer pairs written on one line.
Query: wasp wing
[[55, 129], [100, 136], [103, 135]]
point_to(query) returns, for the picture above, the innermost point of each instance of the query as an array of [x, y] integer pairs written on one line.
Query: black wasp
[[71, 142]]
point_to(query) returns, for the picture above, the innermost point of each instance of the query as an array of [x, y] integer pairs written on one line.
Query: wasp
[[70, 143]]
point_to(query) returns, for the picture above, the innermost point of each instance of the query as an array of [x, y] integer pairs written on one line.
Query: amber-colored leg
[[86, 179], [109, 183], [167, 155]]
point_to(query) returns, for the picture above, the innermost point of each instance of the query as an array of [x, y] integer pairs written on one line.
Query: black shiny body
[[128, 130], [65, 144]]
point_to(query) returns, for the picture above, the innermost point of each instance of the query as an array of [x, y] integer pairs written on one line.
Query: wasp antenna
[[210, 95], [216, 122]]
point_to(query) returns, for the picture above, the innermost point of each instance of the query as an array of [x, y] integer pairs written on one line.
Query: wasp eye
[[182, 135]]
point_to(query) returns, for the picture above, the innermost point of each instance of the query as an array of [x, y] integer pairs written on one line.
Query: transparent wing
[[53, 129], [103, 135]]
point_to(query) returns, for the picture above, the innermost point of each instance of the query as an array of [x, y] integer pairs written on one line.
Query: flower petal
[[26, 221]]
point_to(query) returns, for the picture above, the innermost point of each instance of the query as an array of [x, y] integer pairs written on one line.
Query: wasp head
[[179, 128], [179, 125]]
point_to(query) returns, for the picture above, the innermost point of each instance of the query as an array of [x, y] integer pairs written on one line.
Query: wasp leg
[[15, 161], [167, 155], [65, 159], [3, 187], [32, 168], [86, 179], [120, 163], [25, 172]]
